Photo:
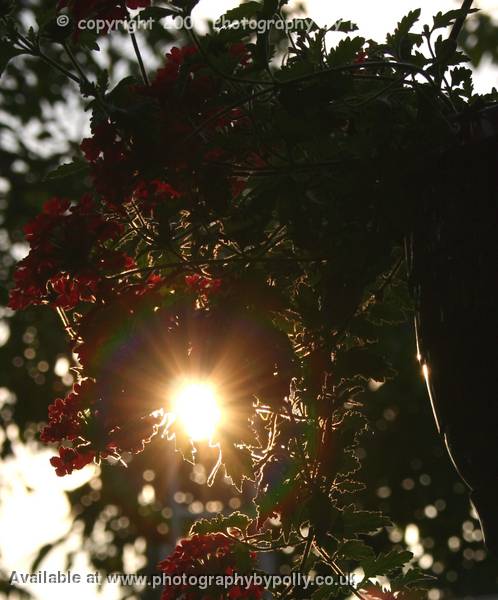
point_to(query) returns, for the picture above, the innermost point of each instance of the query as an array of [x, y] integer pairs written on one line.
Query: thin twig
[[218, 261], [36, 52], [67, 325], [310, 538], [75, 63], [338, 571], [138, 54]]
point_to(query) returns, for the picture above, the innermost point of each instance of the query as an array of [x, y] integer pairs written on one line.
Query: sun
[[195, 406]]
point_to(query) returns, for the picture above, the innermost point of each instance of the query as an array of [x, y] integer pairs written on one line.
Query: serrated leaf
[[270, 7], [346, 51], [77, 167], [412, 578], [461, 76], [183, 445], [362, 362], [403, 41], [349, 486], [406, 24], [384, 564], [344, 26], [157, 13], [244, 11], [355, 522], [355, 550], [238, 466], [443, 20], [220, 524], [349, 465]]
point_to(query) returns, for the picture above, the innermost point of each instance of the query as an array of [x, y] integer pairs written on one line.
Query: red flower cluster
[[112, 167], [361, 57], [102, 9], [68, 256], [183, 95], [78, 419], [150, 195], [66, 415], [157, 172], [213, 554], [184, 90], [70, 459]]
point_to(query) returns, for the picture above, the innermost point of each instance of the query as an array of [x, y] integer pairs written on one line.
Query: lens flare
[[195, 406]]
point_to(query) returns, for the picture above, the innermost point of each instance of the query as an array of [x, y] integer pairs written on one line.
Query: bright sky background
[[32, 518], [375, 19]]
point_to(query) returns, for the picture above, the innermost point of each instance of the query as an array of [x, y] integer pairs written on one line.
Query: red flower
[[82, 418], [148, 195], [361, 57], [71, 459], [68, 257], [204, 555], [66, 421], [111, 163]]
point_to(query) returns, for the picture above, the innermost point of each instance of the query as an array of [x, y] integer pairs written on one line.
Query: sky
[[374, 19], [29, 519]]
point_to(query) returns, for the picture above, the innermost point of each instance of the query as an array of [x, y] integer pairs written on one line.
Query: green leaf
[[119, 93], [220, 524], [183, 445], [248, 10], [384, 564], [7, 53], [414, 578], [346, 51], [461, 76], [78, 167], [355, 550], [362, 362], [402, 41], [406, 24], [355, 522], [443, 20], [349, 464], [238, 466], [270, 7], [349, 486], [157, 13], [88, 39], [344, 26]]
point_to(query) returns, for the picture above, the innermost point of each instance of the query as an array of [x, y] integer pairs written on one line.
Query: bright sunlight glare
[[195, 406]]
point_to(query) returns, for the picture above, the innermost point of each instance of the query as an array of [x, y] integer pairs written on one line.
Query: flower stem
[[145, 77], [75, 63]]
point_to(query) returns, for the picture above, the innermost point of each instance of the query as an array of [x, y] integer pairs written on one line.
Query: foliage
[[243, 220]]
